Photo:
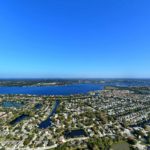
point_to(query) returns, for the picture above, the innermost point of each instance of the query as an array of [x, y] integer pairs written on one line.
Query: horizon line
[[73, 78]]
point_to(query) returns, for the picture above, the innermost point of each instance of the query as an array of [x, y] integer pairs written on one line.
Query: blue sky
[[75, 38]]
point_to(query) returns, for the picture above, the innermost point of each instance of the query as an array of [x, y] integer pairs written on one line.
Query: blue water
[[75, 133], [54, 108], [70, 89], [46, 123], [38, 106], [52, 90], [18, 119], [8, 104]]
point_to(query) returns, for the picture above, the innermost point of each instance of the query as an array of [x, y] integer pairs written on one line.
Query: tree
[[132, 141]]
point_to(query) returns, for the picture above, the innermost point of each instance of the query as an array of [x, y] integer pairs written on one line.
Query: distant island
[[33, 82], [59, 82]]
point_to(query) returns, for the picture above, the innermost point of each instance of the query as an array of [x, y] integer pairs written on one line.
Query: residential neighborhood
[[97, 120]]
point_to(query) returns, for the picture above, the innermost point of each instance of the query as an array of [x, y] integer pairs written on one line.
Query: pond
[[8, 104], [18, 119], [38, 106], [75, 133], [45, 124]]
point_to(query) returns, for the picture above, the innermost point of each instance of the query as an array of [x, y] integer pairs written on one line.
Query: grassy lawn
[[120, 146]]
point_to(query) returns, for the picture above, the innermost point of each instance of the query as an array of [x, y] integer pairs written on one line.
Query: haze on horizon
[[74, 39]]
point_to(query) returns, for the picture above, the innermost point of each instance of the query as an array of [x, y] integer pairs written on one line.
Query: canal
[[46, 123]]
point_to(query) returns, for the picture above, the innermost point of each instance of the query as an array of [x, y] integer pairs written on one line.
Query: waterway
[[18, 119], [70, 89], [52, 90], [46, 123]]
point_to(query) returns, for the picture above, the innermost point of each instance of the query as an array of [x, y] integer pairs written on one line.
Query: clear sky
[[75, 38]]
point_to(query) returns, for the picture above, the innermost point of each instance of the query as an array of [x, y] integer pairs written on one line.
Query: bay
[[52, 90], [69, 89]]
